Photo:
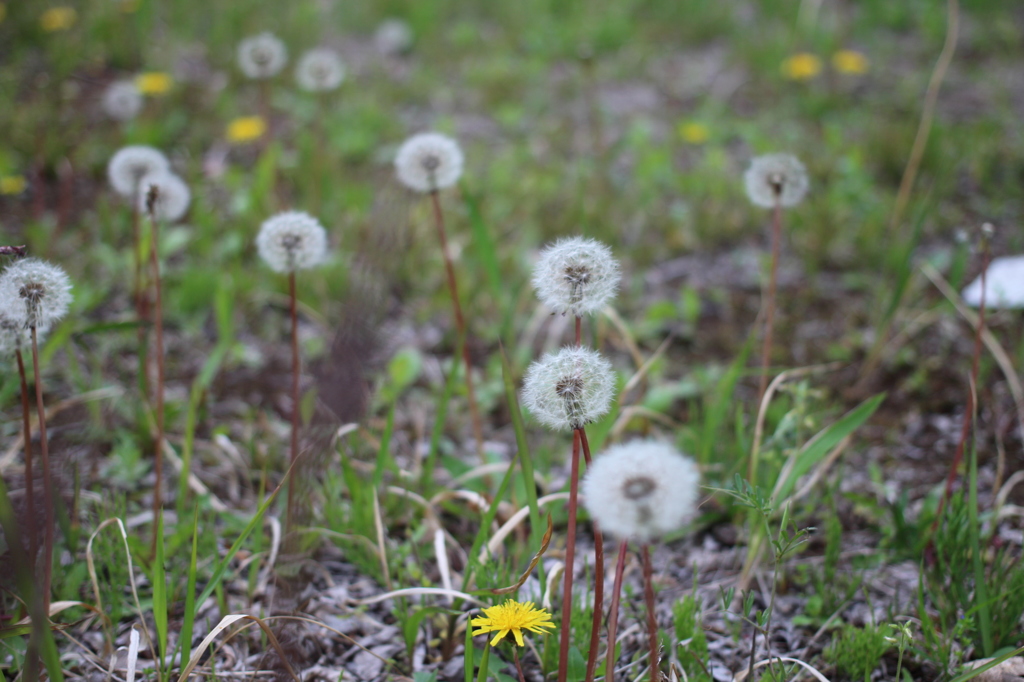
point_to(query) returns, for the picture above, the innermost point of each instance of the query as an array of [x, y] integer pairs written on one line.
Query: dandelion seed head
[[641, 490], [130, 164], [428, 162], [262, 56], [292, 241], [320, 70], [569, 389], [776, 177], [393, 37], [122, 101], [576, 275], [34, 293], [171, 198]]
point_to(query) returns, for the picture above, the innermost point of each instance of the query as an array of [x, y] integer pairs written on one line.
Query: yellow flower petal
[[58, 19], [12, 184], [850, 62], [153, 82], [246, 129], [801, 66], [514, 617]]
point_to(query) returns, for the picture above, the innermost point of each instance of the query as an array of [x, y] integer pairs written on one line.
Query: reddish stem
[[30, 504], [139, 296], [293, 307], [613, 614], [769, 319], [652, 624], [519, 666], [48, 503], [460, 324], [570, 555], [579, 330], [158, 338], [595, 628]]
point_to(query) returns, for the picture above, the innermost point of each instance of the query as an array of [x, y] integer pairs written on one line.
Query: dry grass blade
[[133, 653], [492, 545], [197, 486], [553, 576], [741, 675], [641, 373], [378, 522], [225, 623], [419, 592], [545, 541], [441, 552]]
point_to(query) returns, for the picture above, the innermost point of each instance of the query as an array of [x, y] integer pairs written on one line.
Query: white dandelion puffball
[[428, 162], [130, 164], [292, 241], [122, 101], [34, 293], [13, 336], [262, 56], [393, 37], [320, 70], [641, 490], [576, 275], [1004, 285], [569, 389], [776, 177], [172, 196]]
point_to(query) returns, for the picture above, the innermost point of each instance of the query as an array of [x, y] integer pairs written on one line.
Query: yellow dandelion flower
[[12, 184], [246, 129], [850, 62], [801, 67], [153, 82], [58, 19], [694, 132], [514, 617]]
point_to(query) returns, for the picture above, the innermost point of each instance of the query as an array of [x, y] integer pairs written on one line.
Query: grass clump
[[856, 652]]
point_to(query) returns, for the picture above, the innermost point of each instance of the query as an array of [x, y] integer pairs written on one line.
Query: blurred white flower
[[393, 37], [576, 275], [292, 241], [34, 293], [169, 193], [776, 178], [130, 164], [428, 162], [320, 70], [641, 490], [262, 55], [569, 389], [122, 101]]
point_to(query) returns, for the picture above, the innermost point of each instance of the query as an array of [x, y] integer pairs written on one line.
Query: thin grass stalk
[[570, 553], [30, 505], [652, 623], [460, 324], [158, 340], [595, 628], [139, 295], [769, 318], [613, 614], [293, 311], [48, 501]]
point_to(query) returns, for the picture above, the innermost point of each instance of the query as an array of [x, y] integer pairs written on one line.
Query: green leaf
[[404, 369]]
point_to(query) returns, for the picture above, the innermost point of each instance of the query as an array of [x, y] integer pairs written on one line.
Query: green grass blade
[[160, 592], [717, 411], [383, 452], [485, 523], [975, 672], [185, 637], [484, 245], [980, 587], [427, 480]]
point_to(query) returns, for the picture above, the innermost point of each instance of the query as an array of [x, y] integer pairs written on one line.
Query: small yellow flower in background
[[12, 184], [153, 82], [514, 617], [694, 132], [129, 6], [801, 67], [246, 129], [850, 62], [58, 19]]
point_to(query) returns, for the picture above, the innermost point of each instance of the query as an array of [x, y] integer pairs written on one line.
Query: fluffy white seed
[[291, 241], [122, 101], [641, 490], [776, 177], [130, 164], [262, 56], [428, 162], [320, 70], [576, 275], [393, 37], [34, 293], [569, 389], [172, 195]]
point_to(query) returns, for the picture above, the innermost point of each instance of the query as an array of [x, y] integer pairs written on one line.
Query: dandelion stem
[[613, 614], [158, 339], [652, 623], [595, 628], [48, 502], [138, 296], [769, 318], [519, 666], [460, 325], [30, 505], [579, 330], [293, 309], [570, 553]]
